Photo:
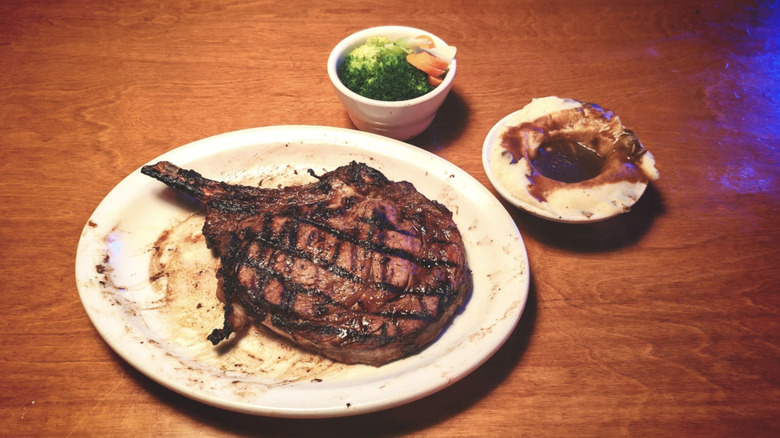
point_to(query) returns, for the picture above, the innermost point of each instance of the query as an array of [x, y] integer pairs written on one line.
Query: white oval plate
[[259, 374]]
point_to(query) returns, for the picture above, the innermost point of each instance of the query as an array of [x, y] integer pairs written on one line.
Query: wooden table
[[662, 322]]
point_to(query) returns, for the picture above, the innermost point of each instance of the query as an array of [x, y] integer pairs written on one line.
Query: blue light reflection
[[748, 99], [114, 244]]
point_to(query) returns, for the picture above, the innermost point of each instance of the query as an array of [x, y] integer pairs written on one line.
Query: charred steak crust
[[353, 266]]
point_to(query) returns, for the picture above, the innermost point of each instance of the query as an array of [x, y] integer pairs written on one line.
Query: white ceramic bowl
[[400, 120]]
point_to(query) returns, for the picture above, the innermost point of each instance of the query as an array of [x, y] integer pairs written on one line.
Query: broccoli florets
[[379, 70]]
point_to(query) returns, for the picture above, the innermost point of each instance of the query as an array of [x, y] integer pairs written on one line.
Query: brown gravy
[[587, 146]]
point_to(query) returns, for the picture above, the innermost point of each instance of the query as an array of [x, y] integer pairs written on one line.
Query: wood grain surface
[[661, 322]]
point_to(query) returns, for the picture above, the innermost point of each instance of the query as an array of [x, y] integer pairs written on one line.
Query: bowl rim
[[357, 38]]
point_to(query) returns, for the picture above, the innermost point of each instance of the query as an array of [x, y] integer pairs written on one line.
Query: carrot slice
[[428, 39], [434, 81], [434, 61], [420, 63]]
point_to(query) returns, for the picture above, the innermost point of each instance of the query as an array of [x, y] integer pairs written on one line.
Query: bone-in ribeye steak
[[353, 266]]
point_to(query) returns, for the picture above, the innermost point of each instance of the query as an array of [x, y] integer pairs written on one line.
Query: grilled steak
[[353, 266]]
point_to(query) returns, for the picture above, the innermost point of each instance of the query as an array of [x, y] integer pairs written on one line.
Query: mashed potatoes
[[567, 160]]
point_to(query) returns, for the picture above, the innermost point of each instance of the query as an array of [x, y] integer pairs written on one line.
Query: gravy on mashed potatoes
[[571, 161]]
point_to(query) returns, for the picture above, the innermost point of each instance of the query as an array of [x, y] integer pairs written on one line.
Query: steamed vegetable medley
[[383, 69]]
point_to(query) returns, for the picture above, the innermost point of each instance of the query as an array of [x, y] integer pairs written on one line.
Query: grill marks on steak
[[353, 266]]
